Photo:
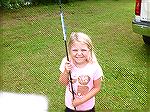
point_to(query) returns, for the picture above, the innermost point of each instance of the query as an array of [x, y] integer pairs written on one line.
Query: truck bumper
[[142, 28]]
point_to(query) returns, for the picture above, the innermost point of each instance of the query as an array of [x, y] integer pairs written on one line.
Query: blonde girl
[[85, 71]]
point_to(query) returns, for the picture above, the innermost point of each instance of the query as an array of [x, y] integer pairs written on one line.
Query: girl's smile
[[80, 53]]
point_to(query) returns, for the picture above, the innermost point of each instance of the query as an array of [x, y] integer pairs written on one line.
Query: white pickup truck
[[141, 22]]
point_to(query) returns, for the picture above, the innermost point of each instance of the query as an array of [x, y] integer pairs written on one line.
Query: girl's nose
[[79, 52]]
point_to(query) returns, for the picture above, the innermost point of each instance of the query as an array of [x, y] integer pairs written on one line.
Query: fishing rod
[[65, 41]]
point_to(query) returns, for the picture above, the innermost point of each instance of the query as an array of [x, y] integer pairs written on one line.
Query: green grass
[[32, 47]]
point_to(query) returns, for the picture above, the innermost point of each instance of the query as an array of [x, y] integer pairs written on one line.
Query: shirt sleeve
[[98, 73], [62, 65]]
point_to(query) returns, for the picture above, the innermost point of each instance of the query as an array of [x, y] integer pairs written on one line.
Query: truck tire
[[146, 40]]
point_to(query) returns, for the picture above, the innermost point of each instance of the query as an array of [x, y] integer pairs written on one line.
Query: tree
[[13, 4]]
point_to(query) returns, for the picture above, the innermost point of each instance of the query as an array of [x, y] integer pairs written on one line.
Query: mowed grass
[[32, 48]]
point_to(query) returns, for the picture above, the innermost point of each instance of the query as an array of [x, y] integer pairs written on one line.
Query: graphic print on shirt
[[81, 83], [83, 89]]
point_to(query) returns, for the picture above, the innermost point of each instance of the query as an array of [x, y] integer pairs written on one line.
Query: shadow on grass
[[147, 47]]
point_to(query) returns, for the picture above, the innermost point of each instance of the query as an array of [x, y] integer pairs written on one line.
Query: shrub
[[14, 4], [11, 4]]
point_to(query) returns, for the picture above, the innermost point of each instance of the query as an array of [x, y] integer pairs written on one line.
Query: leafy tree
[[13, 4]]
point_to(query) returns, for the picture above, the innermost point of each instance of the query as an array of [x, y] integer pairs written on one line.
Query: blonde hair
[[83, 38]]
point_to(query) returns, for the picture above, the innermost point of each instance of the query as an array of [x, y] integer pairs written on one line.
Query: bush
[[14, 4], [49, 1], [11, 4]]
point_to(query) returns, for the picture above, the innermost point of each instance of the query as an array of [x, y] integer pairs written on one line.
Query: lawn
[[32, 48]]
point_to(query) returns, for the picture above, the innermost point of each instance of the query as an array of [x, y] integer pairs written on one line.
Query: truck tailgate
[[145, 10]]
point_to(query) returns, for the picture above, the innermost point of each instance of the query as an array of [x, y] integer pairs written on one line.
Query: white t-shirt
[[82, 83]]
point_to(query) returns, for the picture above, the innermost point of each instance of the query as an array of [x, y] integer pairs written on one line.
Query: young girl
[[85, 71]]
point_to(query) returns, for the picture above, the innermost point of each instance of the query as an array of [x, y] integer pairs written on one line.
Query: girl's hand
[[77, 101], [68, 66]]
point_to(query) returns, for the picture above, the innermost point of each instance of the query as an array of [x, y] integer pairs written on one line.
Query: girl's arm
[[64, 78], [92, 93]]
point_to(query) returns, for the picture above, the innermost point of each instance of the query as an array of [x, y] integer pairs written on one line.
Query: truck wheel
[[146, 40]]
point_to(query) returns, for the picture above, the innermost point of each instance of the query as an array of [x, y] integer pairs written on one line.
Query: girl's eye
[[75, 50], [83, 50]]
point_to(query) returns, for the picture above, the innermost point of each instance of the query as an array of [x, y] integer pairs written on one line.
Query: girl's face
[[80, 53]]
